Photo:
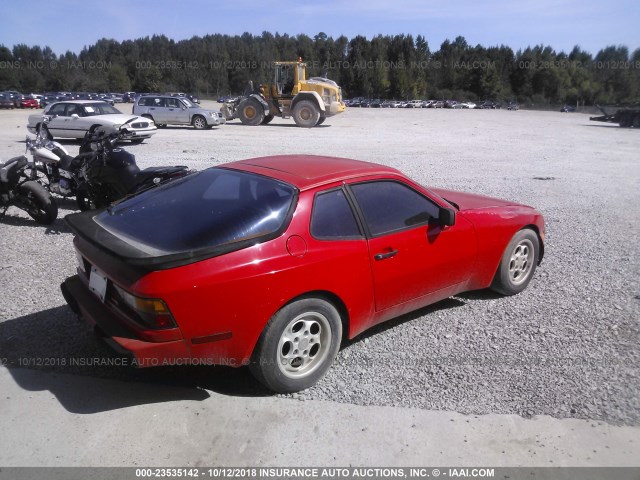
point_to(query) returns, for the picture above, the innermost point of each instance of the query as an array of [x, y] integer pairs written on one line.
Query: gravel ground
[[566, 347]]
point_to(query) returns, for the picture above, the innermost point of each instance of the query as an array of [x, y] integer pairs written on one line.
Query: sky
[[72, 24]]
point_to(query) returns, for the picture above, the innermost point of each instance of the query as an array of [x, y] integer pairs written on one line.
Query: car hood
[[471, 201]]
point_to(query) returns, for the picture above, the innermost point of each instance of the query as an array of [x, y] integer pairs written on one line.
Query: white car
[[74, 118]]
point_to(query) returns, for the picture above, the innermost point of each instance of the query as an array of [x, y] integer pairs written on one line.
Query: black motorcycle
[[16, 189], [102, 172], [112, 173]]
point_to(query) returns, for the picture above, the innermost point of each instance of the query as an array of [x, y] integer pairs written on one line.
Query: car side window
[[57, 109], [172, 103], [390, 206], [332, 217]]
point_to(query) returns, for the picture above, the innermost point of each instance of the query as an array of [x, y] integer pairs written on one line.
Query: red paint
[[229, 299]]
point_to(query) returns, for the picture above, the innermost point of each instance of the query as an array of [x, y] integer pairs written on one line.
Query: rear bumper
[[115, 332]]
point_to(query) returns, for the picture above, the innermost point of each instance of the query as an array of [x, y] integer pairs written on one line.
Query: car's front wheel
[[297, 346], [518, 263], [199, 122]]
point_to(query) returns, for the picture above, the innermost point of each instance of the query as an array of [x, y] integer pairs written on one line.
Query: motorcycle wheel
[[40, 204]]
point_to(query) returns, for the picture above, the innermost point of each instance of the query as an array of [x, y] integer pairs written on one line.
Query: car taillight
[[151, 312]]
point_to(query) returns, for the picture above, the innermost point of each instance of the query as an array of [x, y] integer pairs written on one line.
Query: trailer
[[626, 117]]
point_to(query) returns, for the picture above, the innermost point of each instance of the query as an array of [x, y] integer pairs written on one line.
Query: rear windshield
[[214, 208]]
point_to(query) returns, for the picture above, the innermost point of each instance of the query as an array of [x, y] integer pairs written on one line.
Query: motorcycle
[[16, 189], [52, 165], [101, 174]]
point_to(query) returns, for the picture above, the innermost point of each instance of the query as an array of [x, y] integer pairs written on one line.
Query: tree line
[[385, 66]]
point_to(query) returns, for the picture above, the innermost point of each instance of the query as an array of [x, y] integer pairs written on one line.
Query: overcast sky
[[71, 24]]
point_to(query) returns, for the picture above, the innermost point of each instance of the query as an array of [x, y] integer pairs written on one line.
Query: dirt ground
[[583, 303]]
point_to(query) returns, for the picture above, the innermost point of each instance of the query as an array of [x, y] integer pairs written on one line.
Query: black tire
[[321, 121], [40, 126], [518, 263], [199, 122], [306, 114], [41, 205], [251, 112], [297, 346], [267, 119]]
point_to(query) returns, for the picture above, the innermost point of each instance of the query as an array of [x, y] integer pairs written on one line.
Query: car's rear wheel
[[297, 346], [199, 122], [518, 263]]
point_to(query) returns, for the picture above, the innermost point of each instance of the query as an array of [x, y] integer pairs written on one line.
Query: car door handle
[[384, 256]]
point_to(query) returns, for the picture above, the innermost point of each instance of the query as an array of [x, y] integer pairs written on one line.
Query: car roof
[[80, 102], [310, 171]]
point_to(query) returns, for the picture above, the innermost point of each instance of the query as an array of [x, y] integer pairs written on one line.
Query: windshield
[[213, 208], [188, 103], [99, 108]]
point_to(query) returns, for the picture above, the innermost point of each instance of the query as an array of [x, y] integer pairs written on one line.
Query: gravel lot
[[567, 347]]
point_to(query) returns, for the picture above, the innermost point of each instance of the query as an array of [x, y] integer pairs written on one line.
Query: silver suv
[[164, 110]]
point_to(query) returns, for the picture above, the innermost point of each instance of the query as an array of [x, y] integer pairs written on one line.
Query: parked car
[[128, 97], [28, 101], [438, 104], [6, 101], [489, 105], [15, 96], [166, 275], [513, 106], [377, 103], [413, 104], [74, 118], [168, 110], [567, 109], [460, 105]]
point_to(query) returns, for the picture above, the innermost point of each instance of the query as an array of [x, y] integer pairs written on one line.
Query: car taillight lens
[[151, 312]]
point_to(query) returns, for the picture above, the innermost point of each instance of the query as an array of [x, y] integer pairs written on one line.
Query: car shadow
[[407, 317], [278, 125], [187, 127], [55, 341]]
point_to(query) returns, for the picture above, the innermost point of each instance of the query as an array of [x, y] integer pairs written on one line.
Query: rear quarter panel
[[239, 292]]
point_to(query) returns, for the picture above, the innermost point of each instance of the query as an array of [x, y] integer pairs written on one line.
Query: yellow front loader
[[309, 102]]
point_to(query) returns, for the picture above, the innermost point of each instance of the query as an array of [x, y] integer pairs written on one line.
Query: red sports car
[[270, 262]]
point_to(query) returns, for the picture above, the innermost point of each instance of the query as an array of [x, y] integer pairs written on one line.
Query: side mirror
[[447, 217]]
